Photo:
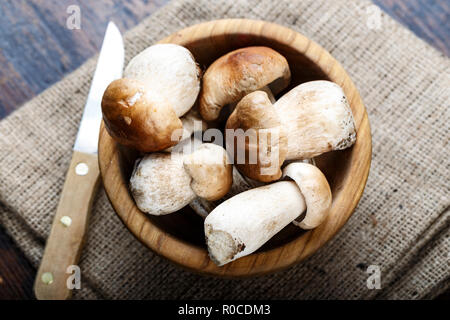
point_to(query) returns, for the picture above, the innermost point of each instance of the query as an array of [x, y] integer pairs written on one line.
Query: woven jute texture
[[400, 225]]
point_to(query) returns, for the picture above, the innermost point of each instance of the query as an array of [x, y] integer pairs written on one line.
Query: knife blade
[[109, 67], [59, 274]]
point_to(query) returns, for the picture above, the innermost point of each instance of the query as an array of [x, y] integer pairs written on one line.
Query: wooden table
[[37, 50]]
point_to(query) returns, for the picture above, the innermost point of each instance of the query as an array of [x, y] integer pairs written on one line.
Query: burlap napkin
[[400, 225]]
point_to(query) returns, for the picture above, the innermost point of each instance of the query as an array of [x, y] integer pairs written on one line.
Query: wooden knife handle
[[64, 244]]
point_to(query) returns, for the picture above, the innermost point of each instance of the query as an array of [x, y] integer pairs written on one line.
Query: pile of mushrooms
[[154, 108]]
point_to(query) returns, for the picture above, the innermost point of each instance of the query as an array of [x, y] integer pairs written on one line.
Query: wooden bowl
[[179, 236]]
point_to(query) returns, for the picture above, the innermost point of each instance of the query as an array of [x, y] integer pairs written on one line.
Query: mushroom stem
[[311, 119], [239, 72], [242, 224], [240, 184]]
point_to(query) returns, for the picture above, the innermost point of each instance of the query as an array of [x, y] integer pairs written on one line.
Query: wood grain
[[346, 171], [16, 273], [37, 49], [27, 26], [64, 244], [428, 19]]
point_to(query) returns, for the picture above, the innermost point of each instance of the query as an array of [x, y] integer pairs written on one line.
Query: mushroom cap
[[139, 118], [315, 190], [238, 73], [170, 70], [317, 119], [211, 171], [163, 182], [160, 184], [312, 118], [266, 144]]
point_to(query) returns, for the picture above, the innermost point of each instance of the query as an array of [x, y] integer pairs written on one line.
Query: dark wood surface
[[37, 50]]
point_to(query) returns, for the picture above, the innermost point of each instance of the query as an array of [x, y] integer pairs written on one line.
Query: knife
[[57, 274]]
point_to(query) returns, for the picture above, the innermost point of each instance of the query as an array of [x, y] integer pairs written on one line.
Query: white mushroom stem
[[311, 119], [240, 184], [242, 224], [317, 118]]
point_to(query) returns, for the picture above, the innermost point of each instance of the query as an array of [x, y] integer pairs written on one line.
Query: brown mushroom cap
[[238, 73], [256, 116], [211, 171], [138, 118]]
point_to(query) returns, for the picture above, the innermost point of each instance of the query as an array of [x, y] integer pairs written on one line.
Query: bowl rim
[[196, 259]]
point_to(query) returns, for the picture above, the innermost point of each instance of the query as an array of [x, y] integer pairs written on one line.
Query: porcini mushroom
[[162, 183], [169, 69], [311, 119], [243, 223], [143, 109], [228, 79]]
